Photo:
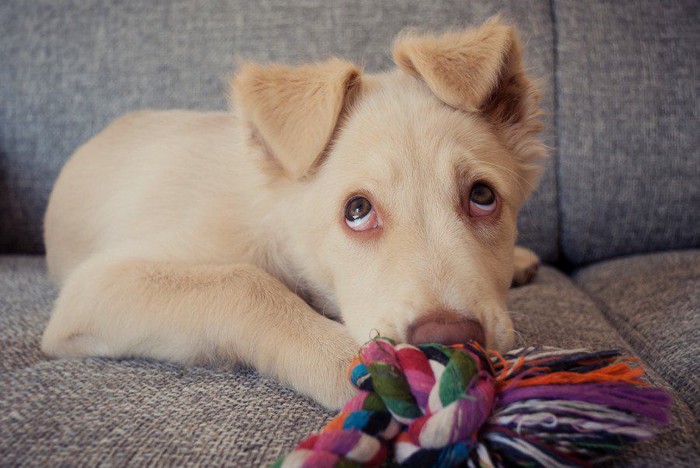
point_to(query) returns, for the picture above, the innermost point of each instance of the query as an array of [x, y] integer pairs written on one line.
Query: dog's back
[[146, 177]]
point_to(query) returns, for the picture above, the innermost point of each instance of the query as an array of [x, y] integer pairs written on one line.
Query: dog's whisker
[[517, 177], [296, 284], [324, 306], [520, 338]]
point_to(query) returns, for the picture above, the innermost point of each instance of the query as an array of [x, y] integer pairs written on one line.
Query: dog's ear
[[295, 110], [480, 71]]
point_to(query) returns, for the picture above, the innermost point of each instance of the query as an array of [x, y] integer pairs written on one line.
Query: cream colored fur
[[219, 237]]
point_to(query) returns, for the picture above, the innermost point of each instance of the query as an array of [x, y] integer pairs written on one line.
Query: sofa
[[616, 218]]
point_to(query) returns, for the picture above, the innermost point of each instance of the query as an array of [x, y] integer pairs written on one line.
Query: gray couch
[[617, 216]]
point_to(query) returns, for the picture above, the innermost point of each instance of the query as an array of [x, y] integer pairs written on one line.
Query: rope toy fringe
[[435, 405]]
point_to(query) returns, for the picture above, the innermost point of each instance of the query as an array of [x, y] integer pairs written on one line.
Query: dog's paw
[[526, 264], [324, 373], [335, 389], [337, 394]]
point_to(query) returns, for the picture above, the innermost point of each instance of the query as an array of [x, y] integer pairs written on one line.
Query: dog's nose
[[445, 328]]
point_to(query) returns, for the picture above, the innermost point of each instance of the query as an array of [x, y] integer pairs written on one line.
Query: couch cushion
[[553, 311], [133, 412], [102, 411], [26, 297], [627, 121], [654, 303], [71, 66]]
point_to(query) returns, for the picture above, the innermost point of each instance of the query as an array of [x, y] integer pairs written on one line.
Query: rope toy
[[436, 405]]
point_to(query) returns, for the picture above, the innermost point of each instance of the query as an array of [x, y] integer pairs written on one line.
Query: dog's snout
[[446, 328]]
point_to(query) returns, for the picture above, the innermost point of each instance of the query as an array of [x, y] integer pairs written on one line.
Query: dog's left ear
[[295, 110], [480, 71]]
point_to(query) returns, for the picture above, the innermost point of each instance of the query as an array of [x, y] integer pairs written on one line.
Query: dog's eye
[[359, 214], [482, 200]]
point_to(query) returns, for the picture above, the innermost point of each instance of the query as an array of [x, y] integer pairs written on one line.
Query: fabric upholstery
[[69, 67], [654, 303], [619, 90], [132, 412], [627, 122], [135, 411], [553, 311]]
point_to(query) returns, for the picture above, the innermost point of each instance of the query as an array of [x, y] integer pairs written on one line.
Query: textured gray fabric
[[26, 297], [133, 412], [71, 66], [654, 303], [553, 311], [99, 411], [628, 139]]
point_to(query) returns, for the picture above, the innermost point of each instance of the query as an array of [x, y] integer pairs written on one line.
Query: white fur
[[179, 236]]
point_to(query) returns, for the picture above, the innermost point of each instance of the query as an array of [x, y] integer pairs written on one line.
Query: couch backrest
[[628, 126], [624, 108], [68, 67]]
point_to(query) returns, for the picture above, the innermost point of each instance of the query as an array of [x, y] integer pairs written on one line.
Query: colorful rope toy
[[435, 405]]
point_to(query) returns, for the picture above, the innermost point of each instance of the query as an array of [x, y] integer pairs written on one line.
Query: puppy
[[329, 205]]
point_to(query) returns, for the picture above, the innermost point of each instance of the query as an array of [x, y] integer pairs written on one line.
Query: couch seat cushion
[[133, 411], [118, 412], [654, 303]]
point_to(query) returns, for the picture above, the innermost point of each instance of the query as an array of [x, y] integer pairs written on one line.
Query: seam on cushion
[[555, 122], [626, 334], [605, 314], [626, 346]]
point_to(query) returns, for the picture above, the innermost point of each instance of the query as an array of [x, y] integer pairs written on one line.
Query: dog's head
[[397, 193]]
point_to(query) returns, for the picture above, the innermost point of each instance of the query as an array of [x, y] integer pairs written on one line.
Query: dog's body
[[199, 237]]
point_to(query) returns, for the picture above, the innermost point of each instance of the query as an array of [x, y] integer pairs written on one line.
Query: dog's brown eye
[[359, 214], [482, 200], [482, 195], [357, 208]]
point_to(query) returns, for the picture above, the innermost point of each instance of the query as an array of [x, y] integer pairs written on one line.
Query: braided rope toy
[[436, 405]]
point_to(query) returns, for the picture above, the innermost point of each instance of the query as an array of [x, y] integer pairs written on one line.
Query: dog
[[327, 206]]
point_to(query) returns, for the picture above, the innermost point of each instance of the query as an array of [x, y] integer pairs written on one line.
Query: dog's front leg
[[525, 265], [200, 313]]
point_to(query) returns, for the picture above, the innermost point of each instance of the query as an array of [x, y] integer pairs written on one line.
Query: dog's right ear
[[295, 110], [480, 71]]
